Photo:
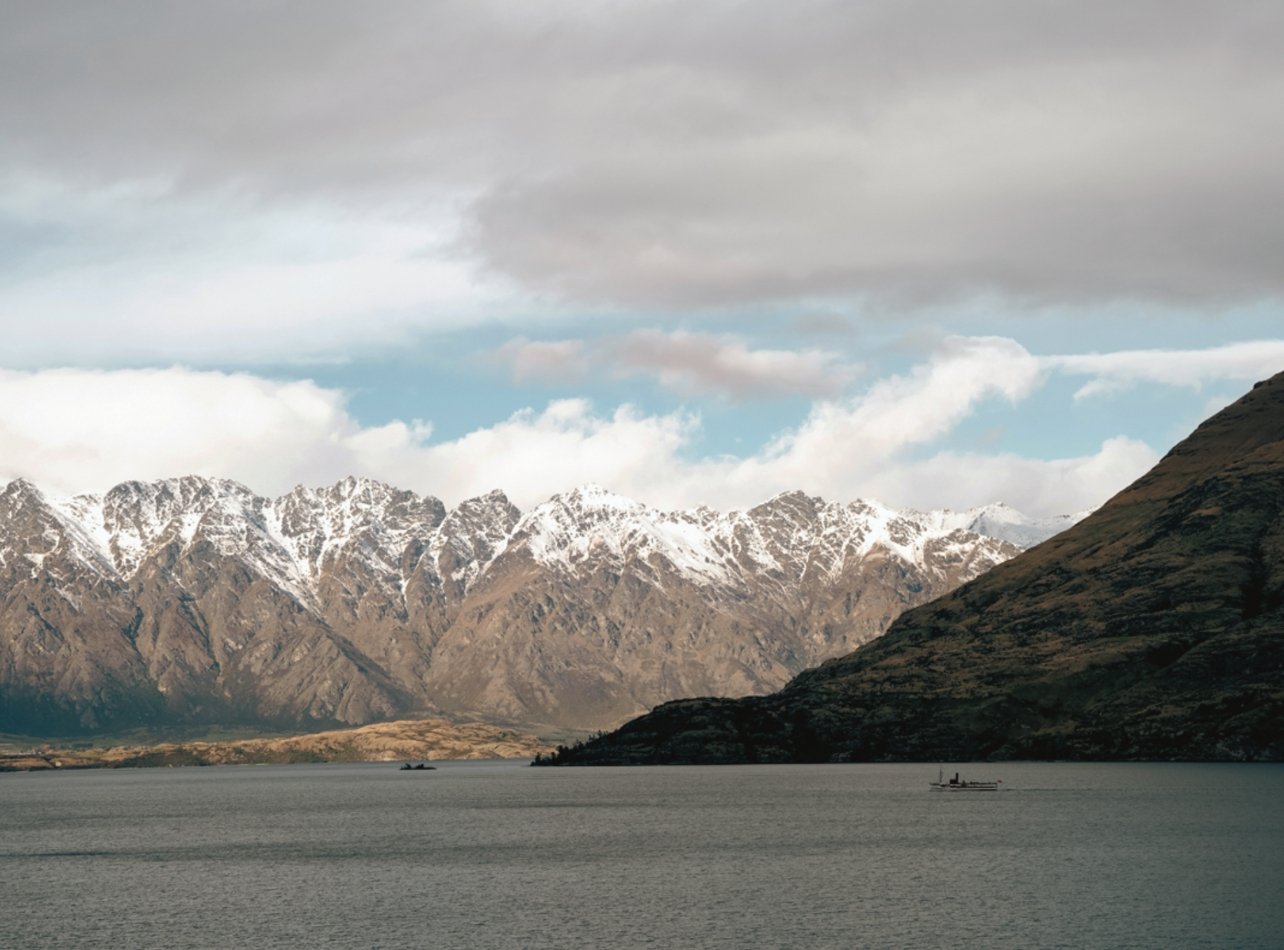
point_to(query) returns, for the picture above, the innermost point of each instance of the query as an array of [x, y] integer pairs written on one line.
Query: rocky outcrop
[[1153, 629], [194, 600]]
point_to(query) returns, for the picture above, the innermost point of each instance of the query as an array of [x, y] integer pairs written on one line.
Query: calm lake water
[[500, 855]]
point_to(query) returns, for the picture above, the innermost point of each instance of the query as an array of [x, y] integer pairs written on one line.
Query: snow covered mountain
[[196, 599]]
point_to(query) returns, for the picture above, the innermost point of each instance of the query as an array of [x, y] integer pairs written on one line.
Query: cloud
[[924, 152], [1034, 486], [841, 450], [547, 361], [75, 430], [690, 364], [533, 455], [138, 273], [724, 365], [852, 442], [80, 430], [1236, 362], [823, 323], [930, 400], [646, 155]]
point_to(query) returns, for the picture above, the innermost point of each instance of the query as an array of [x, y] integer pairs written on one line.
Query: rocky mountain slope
[[195, 600], [1152, 629]]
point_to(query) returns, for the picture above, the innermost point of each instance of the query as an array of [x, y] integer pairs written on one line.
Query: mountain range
[[194, 600], [1152, 629]]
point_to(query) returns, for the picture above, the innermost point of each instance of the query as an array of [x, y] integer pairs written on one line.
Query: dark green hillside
[[1154, 629]]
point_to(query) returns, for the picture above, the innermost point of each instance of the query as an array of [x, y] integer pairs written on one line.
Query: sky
[[940, 254]]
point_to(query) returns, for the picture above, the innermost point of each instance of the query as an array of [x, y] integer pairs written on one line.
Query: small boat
[[957, 784], [421, 767]]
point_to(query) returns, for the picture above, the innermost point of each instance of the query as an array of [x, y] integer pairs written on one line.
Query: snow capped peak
[[135, 518], [793, 535], [368, 490], [591, 526], [21, 486], [47, 534], [789, 503], [1001, 521], [593, 497], [471, 535], [568, 524], [493, 505], [996, 512], [794, 496], [187, 488]]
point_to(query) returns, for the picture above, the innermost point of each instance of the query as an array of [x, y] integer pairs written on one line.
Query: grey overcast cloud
[[455, 245]]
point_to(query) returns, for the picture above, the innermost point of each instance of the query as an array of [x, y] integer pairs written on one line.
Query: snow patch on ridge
[[792, 534], [390, 535]]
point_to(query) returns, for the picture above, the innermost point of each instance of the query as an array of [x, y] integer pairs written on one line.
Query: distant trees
[[562, 753]]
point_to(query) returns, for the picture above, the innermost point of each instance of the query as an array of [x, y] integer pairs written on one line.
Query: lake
[[501, 855]]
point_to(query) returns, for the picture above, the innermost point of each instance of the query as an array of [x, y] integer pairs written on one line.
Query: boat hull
[[965, 787], [960, 784]]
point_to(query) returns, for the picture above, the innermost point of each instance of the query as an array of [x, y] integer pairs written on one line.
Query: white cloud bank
[[1236, 362], [75, 430]]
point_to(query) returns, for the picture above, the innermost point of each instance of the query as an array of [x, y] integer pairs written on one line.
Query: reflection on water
[[499, 855]]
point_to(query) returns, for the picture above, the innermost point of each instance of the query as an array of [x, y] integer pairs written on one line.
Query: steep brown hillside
[[1152, 629]]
